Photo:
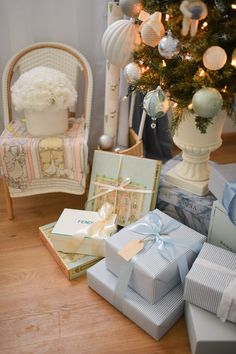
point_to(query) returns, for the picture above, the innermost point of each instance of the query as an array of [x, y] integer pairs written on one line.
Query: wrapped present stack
[[190, 209], [210, 294], [144, 270], [222, 184]]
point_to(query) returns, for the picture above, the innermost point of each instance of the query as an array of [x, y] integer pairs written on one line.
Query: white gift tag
[[131, 249]]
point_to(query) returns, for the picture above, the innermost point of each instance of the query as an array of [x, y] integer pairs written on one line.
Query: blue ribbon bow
[[229, 200], [155, 234]]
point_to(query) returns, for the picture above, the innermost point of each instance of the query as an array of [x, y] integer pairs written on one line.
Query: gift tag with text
[[131, 249]]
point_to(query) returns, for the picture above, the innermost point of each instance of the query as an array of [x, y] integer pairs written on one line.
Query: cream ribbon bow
[[102, 228]]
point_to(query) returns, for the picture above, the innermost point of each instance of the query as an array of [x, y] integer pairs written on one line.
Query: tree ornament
[[169, 46], [132, 73], [223, 5], [152, 30], [214, 58], [119, 41], [192, 11], [207, 102], [156, 104], [105, 142], [131, 8]]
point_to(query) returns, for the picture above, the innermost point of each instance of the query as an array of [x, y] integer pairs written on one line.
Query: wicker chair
[[57, 56]]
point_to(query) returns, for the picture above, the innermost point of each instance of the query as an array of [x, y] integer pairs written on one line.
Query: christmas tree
[[200, 54]]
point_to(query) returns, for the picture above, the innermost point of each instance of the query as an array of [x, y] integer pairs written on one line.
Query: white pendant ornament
[[119, 41], [155, 104], [132, 73], [152, 30], [207, 102], [131, 8], [105, 142], [192, 11], [169, 46], [214, 58]]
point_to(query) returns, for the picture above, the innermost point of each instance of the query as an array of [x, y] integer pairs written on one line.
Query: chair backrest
[[54, 55]]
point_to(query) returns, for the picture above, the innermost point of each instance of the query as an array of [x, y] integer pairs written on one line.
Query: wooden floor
[[43, 312]]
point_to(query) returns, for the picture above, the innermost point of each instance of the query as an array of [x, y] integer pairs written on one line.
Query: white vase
[[51, 121], [192, 174]]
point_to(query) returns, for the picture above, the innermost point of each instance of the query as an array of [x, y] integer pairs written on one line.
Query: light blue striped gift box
[[156, 319], [211, 280], [153, 276]]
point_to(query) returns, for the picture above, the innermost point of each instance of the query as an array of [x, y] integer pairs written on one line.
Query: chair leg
[[8, 200]]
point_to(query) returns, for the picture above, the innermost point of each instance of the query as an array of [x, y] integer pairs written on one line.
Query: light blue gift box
[[190, 209], [153, 276], [156, 319], [222, 183], [207, 333]]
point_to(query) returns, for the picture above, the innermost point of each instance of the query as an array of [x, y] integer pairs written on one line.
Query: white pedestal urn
[[192, 174], [51, 121]]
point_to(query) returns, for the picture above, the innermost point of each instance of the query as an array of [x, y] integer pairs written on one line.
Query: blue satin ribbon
[[155, 232], [228, 200]]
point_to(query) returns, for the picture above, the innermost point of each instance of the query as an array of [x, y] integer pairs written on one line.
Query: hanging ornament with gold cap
[[156, 104], [152, 30]]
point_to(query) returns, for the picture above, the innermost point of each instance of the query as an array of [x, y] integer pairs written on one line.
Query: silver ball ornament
[[105, 142], [132, 73], [131, 8], [207, 102], [169, 46]]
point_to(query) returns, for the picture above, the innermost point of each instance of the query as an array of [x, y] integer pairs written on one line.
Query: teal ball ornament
[[156, 103], [207, 102], [131, 8]]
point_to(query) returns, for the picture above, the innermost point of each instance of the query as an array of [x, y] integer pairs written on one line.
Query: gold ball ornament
[[214, 58]]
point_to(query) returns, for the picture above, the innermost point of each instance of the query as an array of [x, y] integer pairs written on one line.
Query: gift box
[[222, 232], [84, 232], [222, 184], [211, 282], [73, 265], [207, 333], [156, 319], [128, 183], [190, 209], [154, 274]]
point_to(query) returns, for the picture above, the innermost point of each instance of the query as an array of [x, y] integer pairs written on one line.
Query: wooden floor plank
[[41, 311]]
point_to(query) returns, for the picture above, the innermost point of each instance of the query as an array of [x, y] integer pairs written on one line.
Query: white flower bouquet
[[41, 88]]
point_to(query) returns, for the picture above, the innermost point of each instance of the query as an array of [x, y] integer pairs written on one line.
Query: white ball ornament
[[131, 8], [207, 102], [105, 142], [156, 103], [152, 30], [119, 41], [214, 58], [132, 73]]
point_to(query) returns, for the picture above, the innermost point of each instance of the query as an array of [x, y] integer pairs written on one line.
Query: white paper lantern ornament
[[131, 8], [119, 41], [132, 73], [152, 30], [156, 104], [169, 46], [207, 102], [214, 58]]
